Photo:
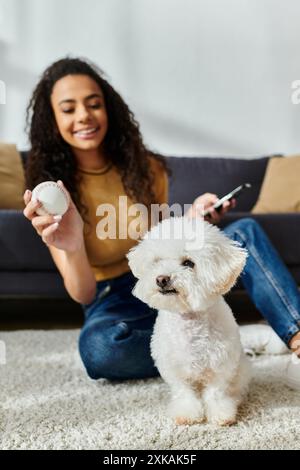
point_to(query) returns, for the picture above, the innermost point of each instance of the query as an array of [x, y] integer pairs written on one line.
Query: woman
[[83, 133]]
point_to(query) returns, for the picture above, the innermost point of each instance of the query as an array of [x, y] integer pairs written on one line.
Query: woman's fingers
[[215, 216], [233, 203], [47, 233], [71, 203], [40, 222], [45, 225], [27, 196], [61, 184], [227, 205], [30, 209]]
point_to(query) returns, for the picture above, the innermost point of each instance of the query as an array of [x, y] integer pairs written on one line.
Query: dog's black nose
[[163, 281]]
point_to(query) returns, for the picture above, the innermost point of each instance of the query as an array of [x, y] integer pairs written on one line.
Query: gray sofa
[[27, 270]]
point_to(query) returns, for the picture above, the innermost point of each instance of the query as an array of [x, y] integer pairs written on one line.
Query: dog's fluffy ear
[[231, 261], [135, 261]]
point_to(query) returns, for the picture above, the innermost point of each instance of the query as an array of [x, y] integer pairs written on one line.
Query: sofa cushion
[[12, 180], [280, 191], [47, 284], [21, 248], [194, 176]]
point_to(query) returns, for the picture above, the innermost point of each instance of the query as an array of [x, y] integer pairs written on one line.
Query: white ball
[[54, 199]]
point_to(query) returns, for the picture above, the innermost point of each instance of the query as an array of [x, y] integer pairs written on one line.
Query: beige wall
[[202, 76]]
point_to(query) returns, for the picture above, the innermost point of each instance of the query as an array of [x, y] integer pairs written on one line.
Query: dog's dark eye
[[188, 263]]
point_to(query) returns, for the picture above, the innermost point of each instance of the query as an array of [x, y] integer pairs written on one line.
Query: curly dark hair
[[51, 158]]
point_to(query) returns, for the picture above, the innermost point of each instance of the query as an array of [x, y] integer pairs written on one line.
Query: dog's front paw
[[224, 420], [222, 414], [183, 420], [187, 411]]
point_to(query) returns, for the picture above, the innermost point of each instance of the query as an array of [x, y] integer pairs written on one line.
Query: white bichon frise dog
[[184, 267]]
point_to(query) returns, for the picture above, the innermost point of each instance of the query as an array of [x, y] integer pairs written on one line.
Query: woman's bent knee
[[246, 224], [111, 354], [96, 354], [244, 230]]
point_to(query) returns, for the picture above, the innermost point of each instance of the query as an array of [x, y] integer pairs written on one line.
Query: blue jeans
[[115, 340]]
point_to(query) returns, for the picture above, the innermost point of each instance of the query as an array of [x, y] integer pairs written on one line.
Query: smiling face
[[80, 112]]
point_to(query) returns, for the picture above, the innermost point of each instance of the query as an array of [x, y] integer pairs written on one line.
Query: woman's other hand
[[206, 202]]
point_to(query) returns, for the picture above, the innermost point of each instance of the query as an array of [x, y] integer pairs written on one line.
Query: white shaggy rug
[[48, 402]]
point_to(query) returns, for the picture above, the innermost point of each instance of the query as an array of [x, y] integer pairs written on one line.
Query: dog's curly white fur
[[195, 344]]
